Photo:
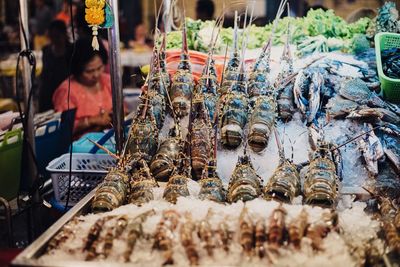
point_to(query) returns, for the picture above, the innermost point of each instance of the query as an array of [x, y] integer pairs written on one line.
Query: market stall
[[270, 145]]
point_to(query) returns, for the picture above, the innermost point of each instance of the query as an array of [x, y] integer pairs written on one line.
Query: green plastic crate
[[390, 87], [10, 164]]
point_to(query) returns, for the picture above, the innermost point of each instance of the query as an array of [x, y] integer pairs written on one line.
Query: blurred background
[[137, 19]]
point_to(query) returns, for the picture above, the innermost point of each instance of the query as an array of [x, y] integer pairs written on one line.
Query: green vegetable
[[332, 32]]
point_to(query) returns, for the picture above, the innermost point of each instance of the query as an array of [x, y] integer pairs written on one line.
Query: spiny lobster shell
[[162, 164], [231, 74], [112, 192], [181, 92], [321, 182], [143, 138], [244, 184], [261, 122], [211, 187], [142, 184], [176, 187], [284, 184], [259, 84], [233, 119], [157, 101], [209, 93], [286, 103], [201, 137]]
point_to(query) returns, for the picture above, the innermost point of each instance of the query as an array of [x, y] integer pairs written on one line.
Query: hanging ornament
[[109, 21], [95, 16]]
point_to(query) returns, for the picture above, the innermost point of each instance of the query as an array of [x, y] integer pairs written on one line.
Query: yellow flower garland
[[95, 16]]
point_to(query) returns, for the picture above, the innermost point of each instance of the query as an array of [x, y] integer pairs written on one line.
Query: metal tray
[[30, 256]]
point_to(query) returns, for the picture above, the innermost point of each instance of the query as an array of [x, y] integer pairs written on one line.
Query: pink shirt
[[88, 104]]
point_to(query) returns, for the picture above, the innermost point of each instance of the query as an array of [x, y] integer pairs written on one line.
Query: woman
[[90, 89]]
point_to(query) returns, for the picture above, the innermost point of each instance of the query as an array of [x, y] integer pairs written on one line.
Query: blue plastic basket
[[87, 170], [83, 145]]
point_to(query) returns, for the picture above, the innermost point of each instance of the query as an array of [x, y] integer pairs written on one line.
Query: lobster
[[262, 96], [200, 129], [112, 192], [234, 114], [285, 88], [234, 105], [163, 162], [244, 184], [157, 89], [261, 122], [284, 183], [142, 184], [143, 137], [177, 183], [211, 187], [208, 87], [321, 181], [182, 84], [231, 72]]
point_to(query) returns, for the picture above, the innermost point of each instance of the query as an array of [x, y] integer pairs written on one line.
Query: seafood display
[[203, 184]]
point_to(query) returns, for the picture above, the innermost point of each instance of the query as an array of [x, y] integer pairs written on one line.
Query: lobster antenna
[[274, 25], [281, 151], [243, 39], [246, 28], [104, 149], [358, 136], [163, 81], [156, 18], [235, 32], [224, 66], [218, 24], [184, 37]]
